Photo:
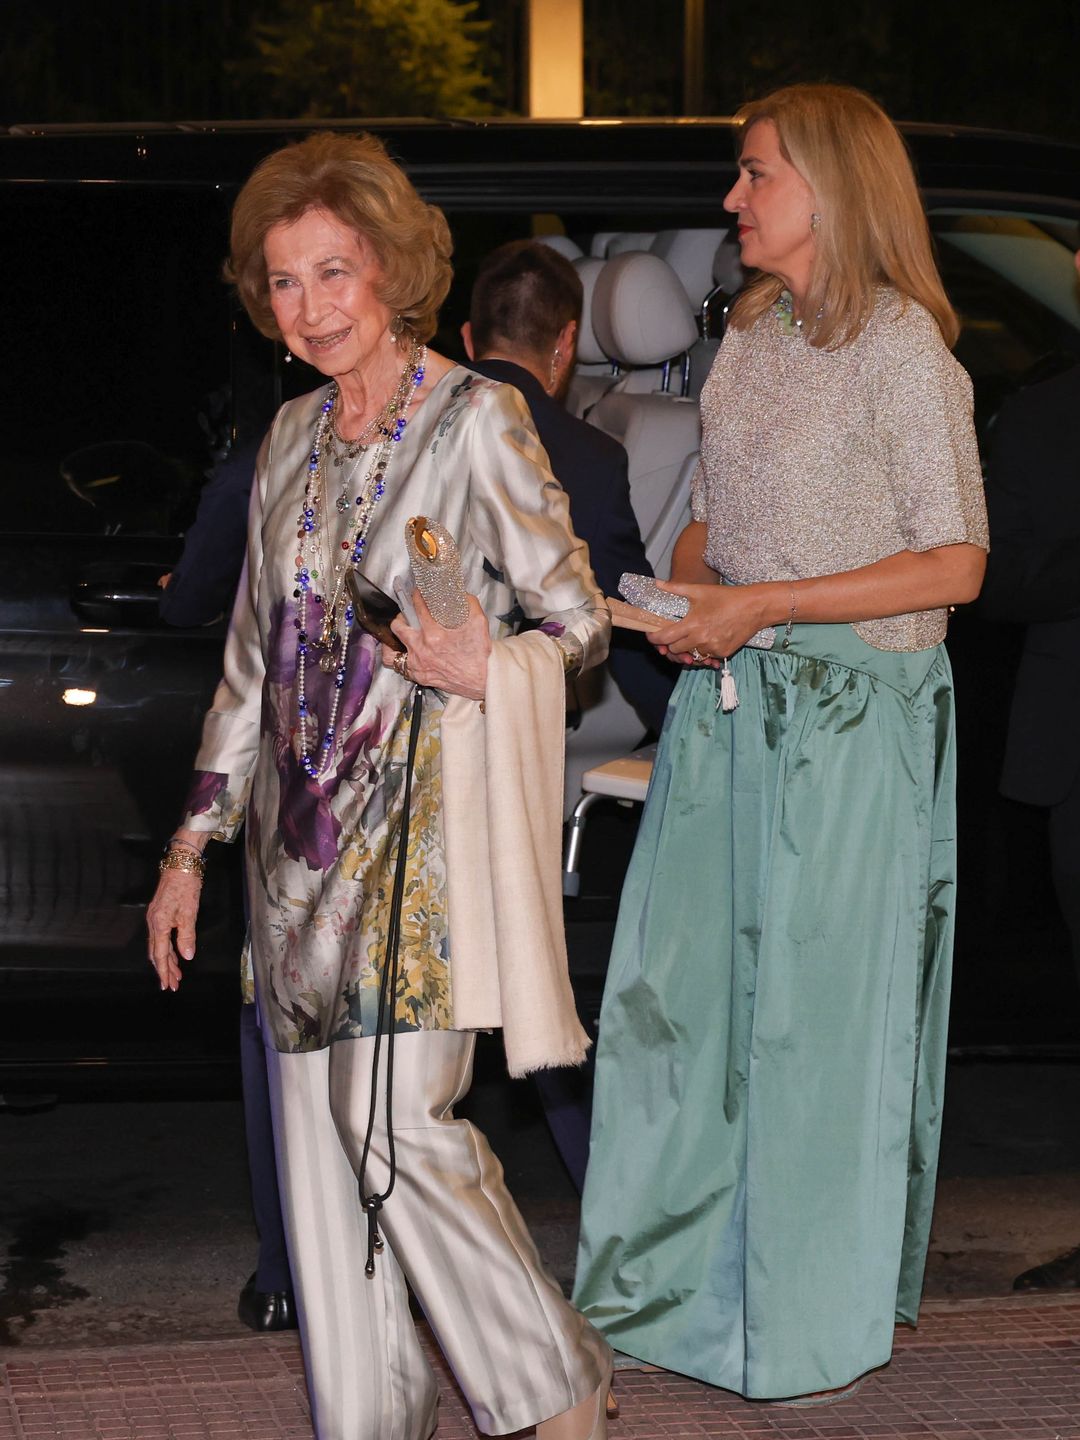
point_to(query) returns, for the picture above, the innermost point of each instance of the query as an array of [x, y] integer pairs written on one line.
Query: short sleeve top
[[817, 461]]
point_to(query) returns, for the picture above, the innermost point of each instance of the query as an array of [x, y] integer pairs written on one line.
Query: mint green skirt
[[772, 1042]]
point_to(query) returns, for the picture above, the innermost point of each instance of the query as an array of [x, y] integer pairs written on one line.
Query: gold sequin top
[[819, 461]]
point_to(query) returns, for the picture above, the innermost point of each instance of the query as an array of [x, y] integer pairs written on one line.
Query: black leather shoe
[[1060, 1274], [266, 1309]]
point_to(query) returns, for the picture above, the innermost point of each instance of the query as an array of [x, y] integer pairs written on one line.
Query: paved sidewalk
[[1007, 1369]]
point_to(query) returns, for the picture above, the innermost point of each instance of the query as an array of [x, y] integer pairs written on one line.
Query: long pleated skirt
[[772, 1042]]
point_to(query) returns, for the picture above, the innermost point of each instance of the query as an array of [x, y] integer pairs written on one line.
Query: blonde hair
[[353, 178], [871, 229]]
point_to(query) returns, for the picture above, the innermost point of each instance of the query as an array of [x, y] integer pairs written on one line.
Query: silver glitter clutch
[[642, 590], [436, 568]]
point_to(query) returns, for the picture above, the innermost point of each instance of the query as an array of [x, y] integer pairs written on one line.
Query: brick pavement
[[1000, 1369]]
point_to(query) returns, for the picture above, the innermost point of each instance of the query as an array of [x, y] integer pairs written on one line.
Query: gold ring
[[400, 663]]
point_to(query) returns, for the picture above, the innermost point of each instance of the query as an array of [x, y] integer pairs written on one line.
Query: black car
[[128, 370]]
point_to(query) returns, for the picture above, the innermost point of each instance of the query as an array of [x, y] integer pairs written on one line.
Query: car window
[[1012, 278], [117, 357], [132, 370]]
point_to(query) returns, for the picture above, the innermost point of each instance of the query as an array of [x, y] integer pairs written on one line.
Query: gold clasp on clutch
[[425, 541]]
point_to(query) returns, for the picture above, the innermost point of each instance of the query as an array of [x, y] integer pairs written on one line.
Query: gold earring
[[397, 328]]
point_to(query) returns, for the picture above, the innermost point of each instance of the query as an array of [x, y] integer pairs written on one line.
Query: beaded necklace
[[314, 535], [784, 312]]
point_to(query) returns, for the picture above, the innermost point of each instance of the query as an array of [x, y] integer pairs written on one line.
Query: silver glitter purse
[[642, 591], [436, 568]]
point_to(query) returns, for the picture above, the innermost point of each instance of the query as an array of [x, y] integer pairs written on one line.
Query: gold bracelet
[[790, 622], [187, 861], [571, 662]]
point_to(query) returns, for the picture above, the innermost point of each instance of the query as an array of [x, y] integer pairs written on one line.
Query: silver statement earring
[[815, 221], [555, 357]]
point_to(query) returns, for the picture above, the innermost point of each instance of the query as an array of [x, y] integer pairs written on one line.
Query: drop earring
[[396, 328], [555, 358], [288, 357], [815, 221]]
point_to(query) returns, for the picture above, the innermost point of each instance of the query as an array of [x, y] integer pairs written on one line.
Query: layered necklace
[[322, 568]]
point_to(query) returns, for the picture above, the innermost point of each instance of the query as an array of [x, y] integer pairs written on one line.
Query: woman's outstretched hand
[[174, 907], [454, 661], [720, 620]]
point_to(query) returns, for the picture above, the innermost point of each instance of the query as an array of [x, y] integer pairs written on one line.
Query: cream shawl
[[502, 818]]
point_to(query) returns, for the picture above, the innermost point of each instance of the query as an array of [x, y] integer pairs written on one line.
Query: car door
[[117, 369]]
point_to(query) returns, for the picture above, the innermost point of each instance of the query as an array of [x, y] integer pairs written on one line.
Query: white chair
[[691, 254], [625, 780], [642, 318], [671, 519], [595, 374]]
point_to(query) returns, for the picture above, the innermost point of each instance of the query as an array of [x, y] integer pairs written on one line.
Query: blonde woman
[[772, 1042], [308, 744]]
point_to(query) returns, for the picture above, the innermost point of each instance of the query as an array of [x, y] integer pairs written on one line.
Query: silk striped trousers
[[519, 1351]]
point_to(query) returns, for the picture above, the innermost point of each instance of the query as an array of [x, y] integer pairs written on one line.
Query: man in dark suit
[[522, 329], [1033, 575]]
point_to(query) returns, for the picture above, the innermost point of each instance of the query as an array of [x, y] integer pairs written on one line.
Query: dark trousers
[[566, 1095], [272, 1272]]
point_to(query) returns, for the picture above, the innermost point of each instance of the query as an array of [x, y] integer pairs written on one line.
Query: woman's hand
[[720, 620], [454, 661], [174, 907]]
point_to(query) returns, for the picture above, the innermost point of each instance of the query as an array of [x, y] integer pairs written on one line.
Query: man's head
[[526, 304]]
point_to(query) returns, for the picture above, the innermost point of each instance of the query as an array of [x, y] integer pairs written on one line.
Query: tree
[[341, 58]]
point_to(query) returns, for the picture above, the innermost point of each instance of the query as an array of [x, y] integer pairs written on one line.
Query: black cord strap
[[384, 1023]]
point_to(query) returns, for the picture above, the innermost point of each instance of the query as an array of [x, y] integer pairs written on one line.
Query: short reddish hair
[[353, 178]]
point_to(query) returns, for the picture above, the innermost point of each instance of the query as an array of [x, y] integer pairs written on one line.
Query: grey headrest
[[727, 271], [690, 254], [588, 347], [563, 244], [640, 312], [626, 240], [606, 243]]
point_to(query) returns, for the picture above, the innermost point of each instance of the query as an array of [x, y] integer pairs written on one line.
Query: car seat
[[563, 245], [727, 275], [691, 254], [642, 318], [594, 374], [608, 243]]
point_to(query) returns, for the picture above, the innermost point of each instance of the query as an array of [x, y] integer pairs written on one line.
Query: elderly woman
[[772, 1040], [311, 740]]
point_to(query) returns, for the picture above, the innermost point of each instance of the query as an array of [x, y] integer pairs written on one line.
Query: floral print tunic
[[321, 853]]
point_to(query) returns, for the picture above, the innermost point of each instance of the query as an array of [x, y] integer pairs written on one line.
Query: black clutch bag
[[374, 609]]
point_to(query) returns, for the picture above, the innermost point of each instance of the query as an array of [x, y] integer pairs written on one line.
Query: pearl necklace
[[334, 637]]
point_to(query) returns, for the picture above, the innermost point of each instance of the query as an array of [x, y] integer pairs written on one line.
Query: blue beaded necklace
[[313, 527]]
